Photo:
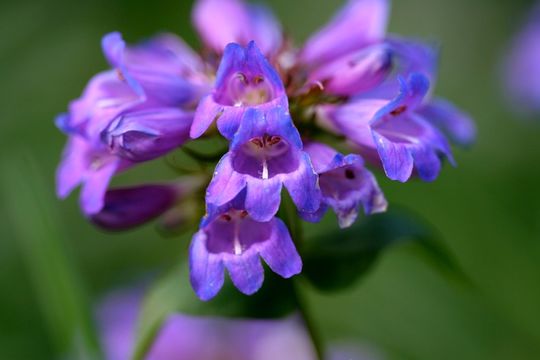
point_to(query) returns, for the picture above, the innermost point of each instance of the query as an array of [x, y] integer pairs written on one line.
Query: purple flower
[[392, 129], [91, 166], [231, 239], [147, 134], [266, 154], [244, 80], [163, 68], [184, 337], [129, 207], [522, 66], [345, 185], [220, 22]]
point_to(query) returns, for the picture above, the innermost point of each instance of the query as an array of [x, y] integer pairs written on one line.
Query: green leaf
[[173, 293], [338, 258], [43, 245]]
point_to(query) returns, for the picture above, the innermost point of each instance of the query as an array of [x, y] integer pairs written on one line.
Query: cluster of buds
[[281, 108]]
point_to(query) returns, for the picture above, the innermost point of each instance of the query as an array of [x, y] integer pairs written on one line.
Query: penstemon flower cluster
[[282, 108]]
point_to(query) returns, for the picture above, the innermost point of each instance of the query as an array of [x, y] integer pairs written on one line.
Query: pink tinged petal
[[355, 73], [226, 183], [303, 185], [73, 166], [246, 271], [279, 251], [96, 182], [451, 121], [206, 269], [359, 23], [220, 22], [263, 197]]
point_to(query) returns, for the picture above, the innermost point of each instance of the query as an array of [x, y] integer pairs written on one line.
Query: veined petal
[[73, 166], [357, 24]]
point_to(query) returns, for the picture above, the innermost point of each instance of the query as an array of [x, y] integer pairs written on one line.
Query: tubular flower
[[350, 82], [230, 238], [345, 185]]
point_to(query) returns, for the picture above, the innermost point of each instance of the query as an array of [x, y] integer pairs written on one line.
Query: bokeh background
[[487, 210]]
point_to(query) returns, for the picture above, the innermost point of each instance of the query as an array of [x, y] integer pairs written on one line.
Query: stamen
[[226, 217], [258, 79], [243, 214], [273, 140]]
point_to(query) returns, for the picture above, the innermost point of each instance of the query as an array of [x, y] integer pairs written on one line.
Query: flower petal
[[226, 183], [220, 22], [206, 269], [280, 253], [453, 122], [263, 197], [303, 185], [357, 24], [246, 271], [95, 185]]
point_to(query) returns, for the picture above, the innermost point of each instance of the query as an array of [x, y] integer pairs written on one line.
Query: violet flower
[[266, 154], [200, 338], [244, 80], [522, 66], [345, 185], [231, 239]]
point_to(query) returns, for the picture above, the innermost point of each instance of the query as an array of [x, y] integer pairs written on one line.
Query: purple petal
[[126, 208], [354, 73], [457, 125], [226, 183], [359, 23], [303, 186], [220, 22], [206, 269], [280, 253], [95, 185], [147, 134], [246, 271], [72, 168], [413, 56], [263, 198]]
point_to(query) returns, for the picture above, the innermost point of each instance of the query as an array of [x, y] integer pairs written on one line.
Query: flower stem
[[308, 321]]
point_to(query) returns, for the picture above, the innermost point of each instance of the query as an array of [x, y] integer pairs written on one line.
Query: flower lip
[[264, 157]]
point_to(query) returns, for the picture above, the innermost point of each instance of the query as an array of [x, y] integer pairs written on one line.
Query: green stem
[[308, 321]]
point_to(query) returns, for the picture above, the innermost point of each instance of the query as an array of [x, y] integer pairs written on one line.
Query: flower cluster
[[277, 105]]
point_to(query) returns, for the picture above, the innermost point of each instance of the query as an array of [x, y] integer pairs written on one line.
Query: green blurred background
[[487, 209]]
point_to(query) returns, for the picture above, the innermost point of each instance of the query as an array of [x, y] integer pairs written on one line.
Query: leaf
[[337, 259], [43, 245], [173, 293]]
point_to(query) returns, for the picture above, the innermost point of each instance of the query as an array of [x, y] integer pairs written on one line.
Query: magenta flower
[[231, 239]]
